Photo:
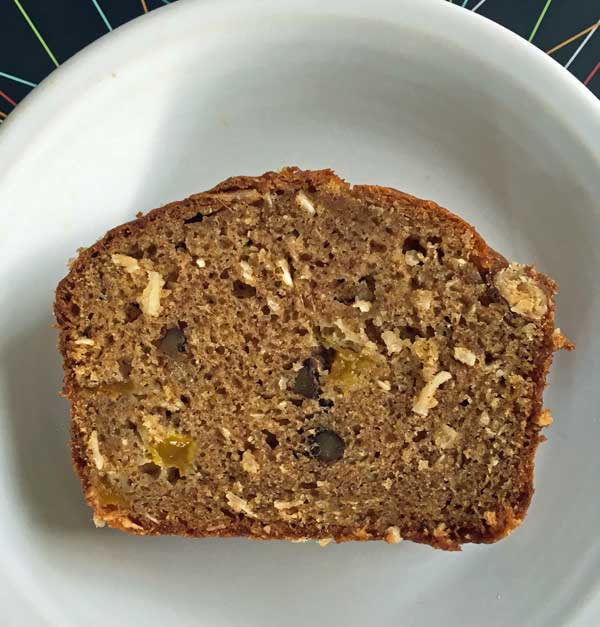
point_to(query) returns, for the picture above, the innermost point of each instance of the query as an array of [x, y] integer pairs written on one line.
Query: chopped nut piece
[[95, 449], [384, 385], [422, 464], [392, 535], [305, 203], [325, 541], [247, 272], [285, 271], [560, 341], [484, 419], [445, 436], [422, 300], [464, 355], [521, 292], [129, 264], [239, 505], [392, 342], [200, 263], [150, 298], [544, 419], [249, 463], [363, 305], [413, 258], [362, 534], [425, 399], [98, 521], [490, 518], [282, 384]]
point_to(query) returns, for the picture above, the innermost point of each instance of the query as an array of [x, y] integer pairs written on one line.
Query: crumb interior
[[301, 360]]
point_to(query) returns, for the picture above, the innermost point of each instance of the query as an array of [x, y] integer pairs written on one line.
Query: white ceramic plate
[[421, 95]]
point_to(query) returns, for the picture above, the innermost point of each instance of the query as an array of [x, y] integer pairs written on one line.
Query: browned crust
[[489, 262]]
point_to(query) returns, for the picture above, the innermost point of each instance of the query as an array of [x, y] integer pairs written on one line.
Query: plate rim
[[539, 69], [32, 111]]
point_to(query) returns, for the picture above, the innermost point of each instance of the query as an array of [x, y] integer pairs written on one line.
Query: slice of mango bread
[[291, 357]]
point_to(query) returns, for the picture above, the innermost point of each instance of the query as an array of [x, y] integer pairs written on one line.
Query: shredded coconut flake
[[249, 463], [384, 385], [245, 195], [226, 433], [363, 305], [85, 341], [273, 305], [392, 342], [238, 504], [464, 355], [350, 335], [425, 400], [304, 202], [95, 449], [392, 535], [150, 299], [287, 504], [285, 271], [445, 436], [129, 264], [247, 273]]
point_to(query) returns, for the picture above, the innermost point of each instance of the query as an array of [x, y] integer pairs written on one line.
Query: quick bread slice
[[290, 357]]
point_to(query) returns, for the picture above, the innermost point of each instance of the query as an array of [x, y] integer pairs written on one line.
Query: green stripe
[[37, 33], [540, 18]]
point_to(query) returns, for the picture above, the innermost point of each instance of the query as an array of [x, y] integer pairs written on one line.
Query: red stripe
[[591, 74], [8, 99]]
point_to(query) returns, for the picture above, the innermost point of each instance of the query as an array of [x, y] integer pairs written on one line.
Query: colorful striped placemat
[[36, 36]]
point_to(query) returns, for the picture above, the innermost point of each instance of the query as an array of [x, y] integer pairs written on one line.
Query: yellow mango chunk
[[175, 451], [349, 366]]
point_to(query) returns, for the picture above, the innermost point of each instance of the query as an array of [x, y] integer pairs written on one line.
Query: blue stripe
[[18, 80], [102, 15]]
